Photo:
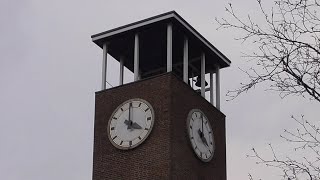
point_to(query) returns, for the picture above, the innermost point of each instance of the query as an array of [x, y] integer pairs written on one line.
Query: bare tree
[[306, 139], [288, 58], [288, 47]]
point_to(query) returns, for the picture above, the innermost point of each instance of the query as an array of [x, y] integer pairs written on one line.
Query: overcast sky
[[50, 69]]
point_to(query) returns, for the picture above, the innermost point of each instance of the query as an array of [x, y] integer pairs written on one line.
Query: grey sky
[[50, 69]]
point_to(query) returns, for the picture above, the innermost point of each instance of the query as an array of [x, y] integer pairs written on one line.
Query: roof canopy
[[153, 45]]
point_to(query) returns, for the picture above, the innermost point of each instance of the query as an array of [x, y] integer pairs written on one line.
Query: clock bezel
[[145, 137], [189, 136]]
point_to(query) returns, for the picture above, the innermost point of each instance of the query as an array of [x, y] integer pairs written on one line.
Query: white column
[[136, 57], [211, 88], [185, 60], [203, 67], [121, 71], [169, 47], [104, 66], [192, 79], [218, 88]]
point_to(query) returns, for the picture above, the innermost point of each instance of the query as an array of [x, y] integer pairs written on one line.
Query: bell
[[198, 83]]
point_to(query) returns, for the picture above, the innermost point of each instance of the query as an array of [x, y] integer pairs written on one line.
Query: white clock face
[[201, 135], [130, 124]]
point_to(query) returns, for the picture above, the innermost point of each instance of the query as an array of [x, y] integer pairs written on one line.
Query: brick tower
[[160, 126]]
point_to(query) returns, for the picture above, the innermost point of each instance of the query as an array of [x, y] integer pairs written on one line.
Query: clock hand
[[128, 123], [202, 123], [129, 111], [200, 133], [131, 125], [203, 139], [136, 126]]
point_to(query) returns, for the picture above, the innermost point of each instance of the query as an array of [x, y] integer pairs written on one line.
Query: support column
[[121, 71], [104, 66], [192, 75], [203, 67], [136, 57], [211, 88], [185, 60], [218, 88], [169, 47]]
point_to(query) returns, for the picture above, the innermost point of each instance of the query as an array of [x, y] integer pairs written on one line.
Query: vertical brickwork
[[167, 152], [149, 160], [185, 163]]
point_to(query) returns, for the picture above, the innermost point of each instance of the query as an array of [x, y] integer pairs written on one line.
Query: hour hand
[[203, 139], [136, 126], [200, 133], [128, 123]]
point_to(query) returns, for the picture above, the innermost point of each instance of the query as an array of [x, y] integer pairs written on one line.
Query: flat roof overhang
[[152, 44]]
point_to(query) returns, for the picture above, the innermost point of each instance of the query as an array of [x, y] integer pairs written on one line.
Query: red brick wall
[[166, 153]]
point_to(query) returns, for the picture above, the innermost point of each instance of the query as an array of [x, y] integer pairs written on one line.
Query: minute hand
[[202, 124], [129, 121]]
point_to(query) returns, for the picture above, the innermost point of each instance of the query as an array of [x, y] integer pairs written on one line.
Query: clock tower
[[167, 123]]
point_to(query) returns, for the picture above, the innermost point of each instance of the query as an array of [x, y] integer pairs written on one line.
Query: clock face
[[130, 124], [201, 135]]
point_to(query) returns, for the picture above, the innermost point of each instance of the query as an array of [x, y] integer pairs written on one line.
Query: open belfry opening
[[161, 125]]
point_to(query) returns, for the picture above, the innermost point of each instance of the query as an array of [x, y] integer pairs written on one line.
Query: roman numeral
[[121, 109], [139, 138], [190, 127], [146, 110], [139, 104], [146, 129], [114, 118], [114, 137], [130, 143], [121, 142], [149, 118], [112, 128]]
